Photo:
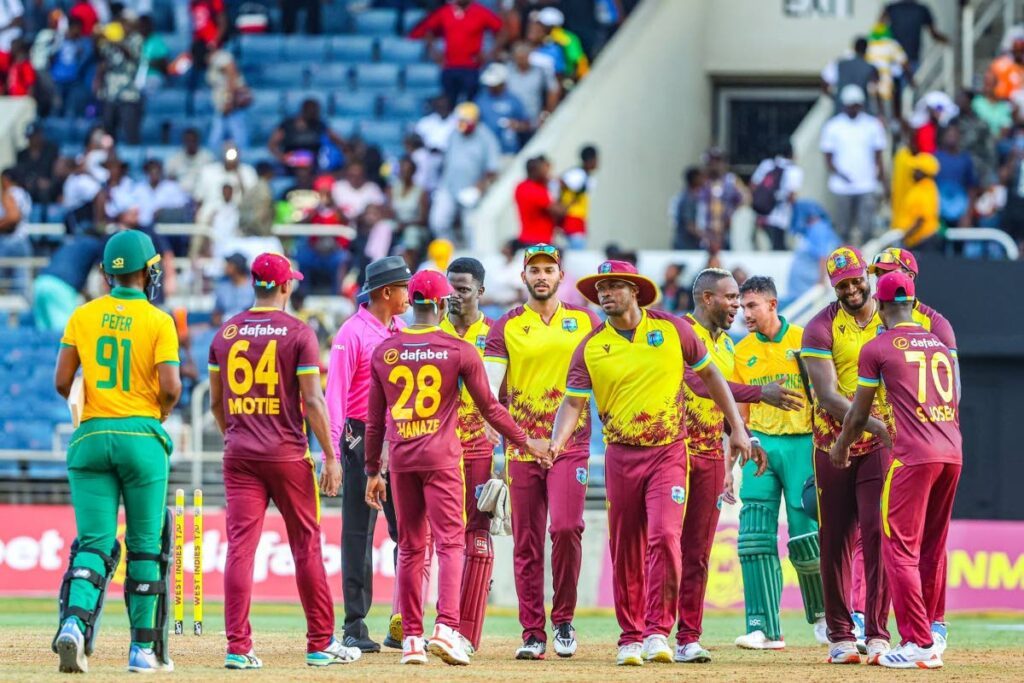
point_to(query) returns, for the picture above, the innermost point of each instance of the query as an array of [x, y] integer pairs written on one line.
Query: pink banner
[[35, 540], [985, 569]]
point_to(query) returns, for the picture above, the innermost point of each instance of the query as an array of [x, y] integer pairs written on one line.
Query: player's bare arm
[[822, 374], [320, 423], [217, 401], [169, 379], [739, 442], [566, 419], [776, 395], [854, 422], [67, 365]]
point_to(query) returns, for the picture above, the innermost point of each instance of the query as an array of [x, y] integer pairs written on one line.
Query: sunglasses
[[545, 249], [887, 257]]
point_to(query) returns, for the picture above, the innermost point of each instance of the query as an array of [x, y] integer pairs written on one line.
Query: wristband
[[754, 441]]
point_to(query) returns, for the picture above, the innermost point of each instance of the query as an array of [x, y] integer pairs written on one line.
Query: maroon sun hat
[[619, 270]]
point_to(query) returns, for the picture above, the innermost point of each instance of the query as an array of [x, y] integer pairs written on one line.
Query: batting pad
[[805, 554], [758, 547], [476, 584]]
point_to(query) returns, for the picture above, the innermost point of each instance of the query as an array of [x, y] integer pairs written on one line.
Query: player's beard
[[552, 290], [865, 294]]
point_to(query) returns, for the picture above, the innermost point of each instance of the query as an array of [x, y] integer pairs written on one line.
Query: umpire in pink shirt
[[348, 389]]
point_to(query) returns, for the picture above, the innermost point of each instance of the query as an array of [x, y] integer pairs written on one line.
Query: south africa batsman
[[769, 354], [128, 351]]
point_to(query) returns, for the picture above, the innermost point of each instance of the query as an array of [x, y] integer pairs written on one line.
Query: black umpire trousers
[[358, 521]]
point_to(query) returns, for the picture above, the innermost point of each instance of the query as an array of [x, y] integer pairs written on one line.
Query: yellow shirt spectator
[[918, 214]]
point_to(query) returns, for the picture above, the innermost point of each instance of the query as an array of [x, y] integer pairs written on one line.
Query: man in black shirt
[[36, 166], [906, 19], [297, 141]]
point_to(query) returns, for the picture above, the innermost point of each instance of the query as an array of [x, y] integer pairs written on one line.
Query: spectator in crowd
[[689, 233], [956, 179], [210, 30], [919, 214], [233, 293], [776, 183], [221, 220], [815, 240], [21, 76], [471, 163], [672, 289], [58, 287], [574, 59], [410, 205], [70, 68], [323, 258], [156, 194], [932, 113], [1007, 71], [44, 49], [14, 240], [853, 142], [537, 90], [120, 48], [256, 209], [575, 187], [462, 24], [889, 58], [353, 193], [37, 166], [437, 127], [290, 15], [84, 13], [538, 213], [155, 56], [505, 286], [228, 170], [439, 255], [1011, 220], [501, 111], [186, 164], [903, 171], [907, 19], [854, 70], [994, 111], [231, 99], [976, 138], [81, 188], [297, 140], [723, 192], [12, 20]]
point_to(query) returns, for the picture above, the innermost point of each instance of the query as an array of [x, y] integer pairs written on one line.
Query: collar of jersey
[[263, 309], [697, 323], [907, 325], [777, 338], [616, 332], [448, 321], [424, 330], [127, 293], [554, 316]]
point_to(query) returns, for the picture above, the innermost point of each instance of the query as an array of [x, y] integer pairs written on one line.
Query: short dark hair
[[707, 279], [469, 266], [691, 174], [265, 292], [588, 153], [760, 284], [534, 162], [860, 45]]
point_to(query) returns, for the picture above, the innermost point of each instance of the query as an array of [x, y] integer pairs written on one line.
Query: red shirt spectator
[[206, 17], [537, 212], [21, 77], [462, 26], [84, 12]]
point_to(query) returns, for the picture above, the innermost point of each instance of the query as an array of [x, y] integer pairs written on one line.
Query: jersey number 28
[[426, 385]]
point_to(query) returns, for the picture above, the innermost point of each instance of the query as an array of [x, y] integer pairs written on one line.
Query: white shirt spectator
[[24, 203], [79, 189], [853, 142], [213, 177], [168, 194], [9, 11], [434, 130], [428, 168], [352, 201], [790, 183], [185, 169]]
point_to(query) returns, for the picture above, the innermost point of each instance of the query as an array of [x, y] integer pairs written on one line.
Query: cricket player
[[769, 354], [465, 321], [128, 351], [717, 302], [529, 349], [264, 378], [850, 496], [634, 364], [415, 394], [917, 371]]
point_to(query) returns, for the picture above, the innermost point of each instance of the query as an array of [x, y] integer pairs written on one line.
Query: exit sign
[[833, 9]]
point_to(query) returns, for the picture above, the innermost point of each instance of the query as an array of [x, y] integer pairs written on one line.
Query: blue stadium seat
[[351, 49], [164, 102], [9, 469], [202, 103], [279, 185], [422, 76], [402, 106], [153, 128], [260, 128], [260, 49], [411, 18], [357, 104], [64, 130], [331, 76], [303, 48], [334, 17], [255, 155], [398, 50], [177, 43], [375, 22], [133, 155], [345, 126], [71, 149], [382, 133], [377, 76], [48, 470], [161, 152], [265, 102], [295, 98], [283, 75]]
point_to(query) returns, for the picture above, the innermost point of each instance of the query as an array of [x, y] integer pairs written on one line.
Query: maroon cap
[[429, 286], [895, 286], [271, 270], [845, 263], [647, 293]]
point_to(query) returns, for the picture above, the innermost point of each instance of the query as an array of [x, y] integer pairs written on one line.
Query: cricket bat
[[76, 401]]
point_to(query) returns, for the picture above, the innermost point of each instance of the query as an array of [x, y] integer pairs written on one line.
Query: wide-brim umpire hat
[[647, 291], [386, 271]]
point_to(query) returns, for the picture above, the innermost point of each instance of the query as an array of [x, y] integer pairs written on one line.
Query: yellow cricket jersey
[[470, 428], [705, 422], [638, 383], [120, 339], [538, 356], [761, 361]]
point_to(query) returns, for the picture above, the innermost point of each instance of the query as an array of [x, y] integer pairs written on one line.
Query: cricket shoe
[[334, 653], [367, 644], [656, 649], [394, 639], [757, 640], [630, 655], [532, 648], [565, 640], [240, 662], [446, 643], [843, 653], [142, 660], [910, 656], [692, 653], [939, 634], [876, 648], [70, 646], [858, 631], [466, 645], [413, 650], [821, 631]]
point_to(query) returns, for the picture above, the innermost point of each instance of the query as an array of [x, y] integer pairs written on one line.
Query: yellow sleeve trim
[[308, 371], [213, 368], [702, 363], [578, 393], [815, 353], [868, 382]]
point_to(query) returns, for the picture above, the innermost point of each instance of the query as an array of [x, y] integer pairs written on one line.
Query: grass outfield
[[989, 647]]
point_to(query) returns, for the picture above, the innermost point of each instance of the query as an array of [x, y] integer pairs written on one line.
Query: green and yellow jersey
[[761, 361]]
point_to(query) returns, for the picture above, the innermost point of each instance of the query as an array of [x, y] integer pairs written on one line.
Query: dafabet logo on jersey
[[230, 332], [901, 343], [391, 356]]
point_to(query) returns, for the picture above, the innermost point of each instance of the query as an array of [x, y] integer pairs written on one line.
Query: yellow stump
[[179, 554], [197, 569]]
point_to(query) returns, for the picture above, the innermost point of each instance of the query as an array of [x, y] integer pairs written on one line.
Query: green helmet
[[129, 251]]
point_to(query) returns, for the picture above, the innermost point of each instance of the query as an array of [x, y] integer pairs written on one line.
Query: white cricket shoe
[[844, 653], [939, 635], [565, 640], [910, 656], [446, 643], [413, 650], [757, 640], [876, 648], [70, 647], [630, 655], [821, 631], [532, 648], [656, 649], [142, 660], [692, 653], [858, 631], [334, 653]]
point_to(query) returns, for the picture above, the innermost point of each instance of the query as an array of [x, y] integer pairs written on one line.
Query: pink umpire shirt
[[348, 370]]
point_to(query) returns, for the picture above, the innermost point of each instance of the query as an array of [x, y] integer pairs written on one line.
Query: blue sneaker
[[142, 660], [70, 646], [246, 661], [858, 631], [939, 634], [334, 653]]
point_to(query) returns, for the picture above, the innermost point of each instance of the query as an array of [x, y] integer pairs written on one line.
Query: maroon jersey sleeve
[[694, 351], [307, 351], [741, 393], [579, 381], [473, 375], [943, 330], [817, 338], [495, 348], [375, 418], [869, 365]]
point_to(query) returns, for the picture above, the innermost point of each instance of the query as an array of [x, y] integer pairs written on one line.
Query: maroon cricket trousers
[[703, 506]]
